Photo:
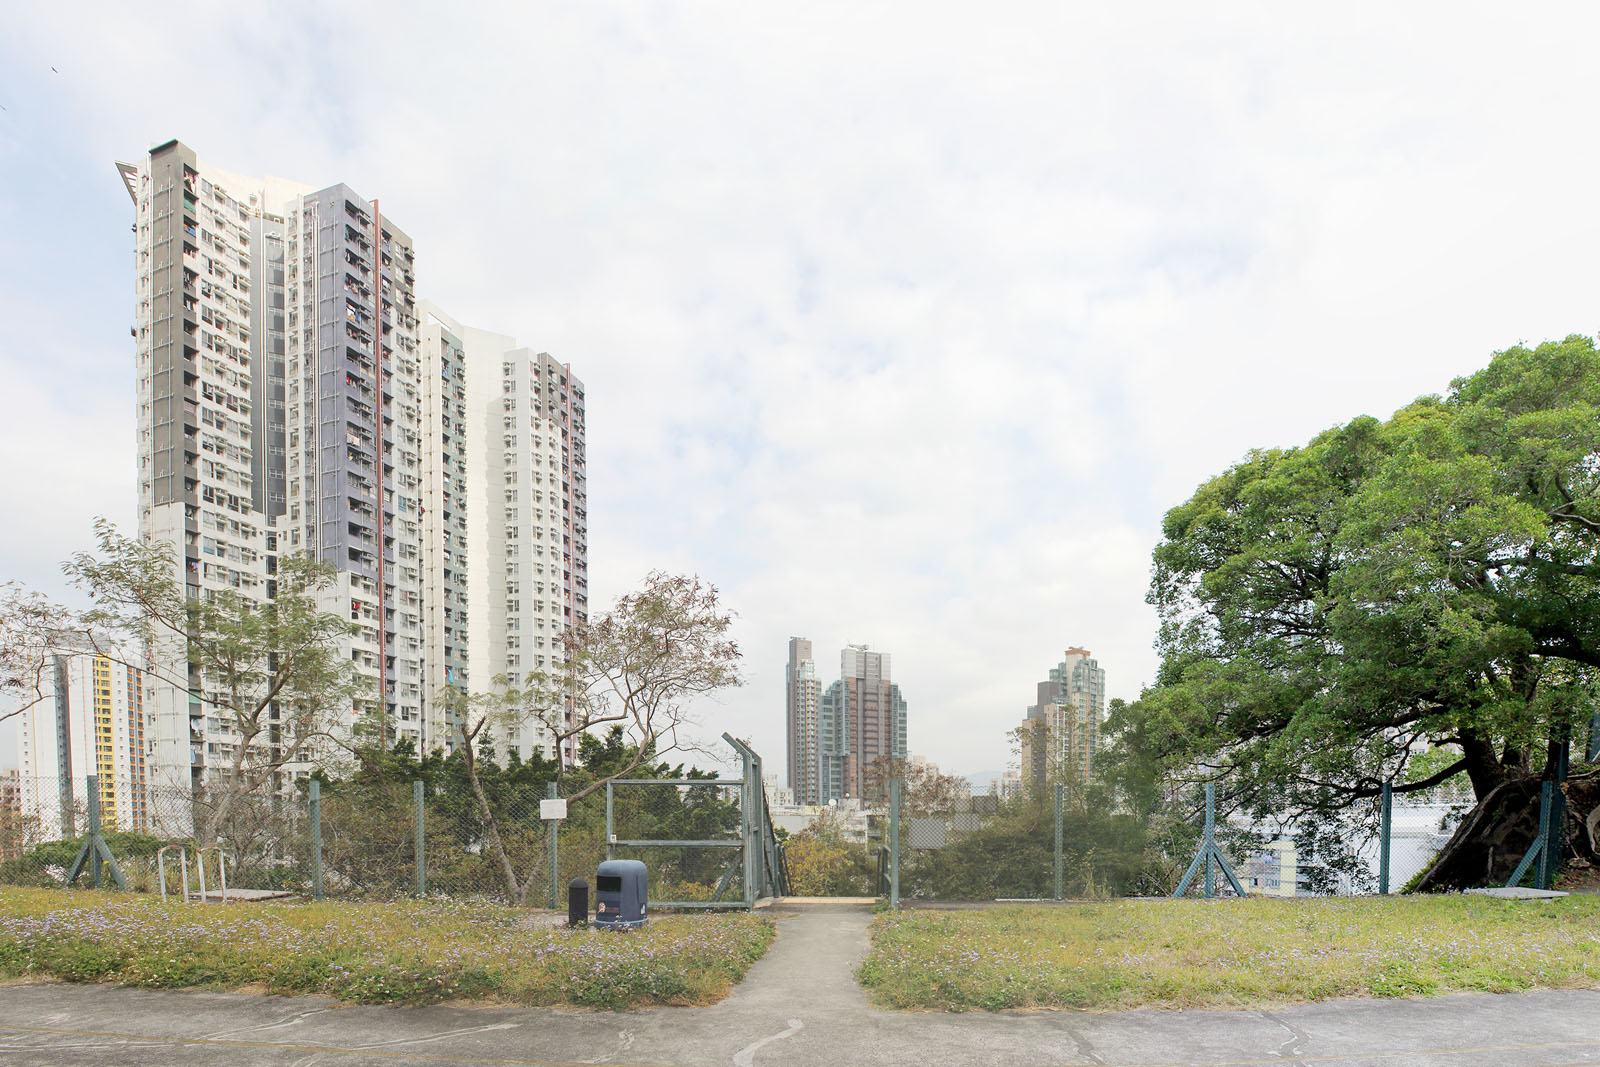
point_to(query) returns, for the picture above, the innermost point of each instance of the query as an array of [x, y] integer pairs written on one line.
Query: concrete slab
[[1516, 892], [214, 896], [817, 903]]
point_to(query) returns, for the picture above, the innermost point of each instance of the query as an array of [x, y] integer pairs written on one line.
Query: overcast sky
[[902, 323]]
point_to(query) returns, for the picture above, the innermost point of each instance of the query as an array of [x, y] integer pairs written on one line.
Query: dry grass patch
[[1191, 953], [401, 952]]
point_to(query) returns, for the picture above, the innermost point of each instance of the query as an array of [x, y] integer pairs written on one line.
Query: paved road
[[800, 1007]]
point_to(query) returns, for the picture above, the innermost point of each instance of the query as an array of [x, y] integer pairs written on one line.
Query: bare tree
[[638, 667], [275, 671], [33, 630], [925, 790]]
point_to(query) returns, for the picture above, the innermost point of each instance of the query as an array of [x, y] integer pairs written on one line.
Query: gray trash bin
[[619, 894]]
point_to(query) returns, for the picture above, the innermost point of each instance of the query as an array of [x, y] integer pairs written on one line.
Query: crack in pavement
[[1084, 1046], [300, 1016], [436, 1037], [1291, 1048], [746, 1056]]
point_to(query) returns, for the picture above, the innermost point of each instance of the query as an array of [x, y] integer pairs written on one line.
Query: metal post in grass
[[1558, 804], [747, 808], [555, 867], [1209, 853], [1061, 798], [94, 830], [315, 804], [611, 831], [1539, 849], [95, 851], [422, 860], [894, 844], [1211, 829], [1546, 802], [1384, 837]]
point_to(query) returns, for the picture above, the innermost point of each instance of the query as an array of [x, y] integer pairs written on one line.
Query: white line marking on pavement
[[746, 1057], [437, 1037]]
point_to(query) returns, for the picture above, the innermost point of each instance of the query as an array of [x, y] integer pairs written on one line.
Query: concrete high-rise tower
[[525, 513], [203, 438], [801, 693], [1062, 729], [861, 719], [291, 399]]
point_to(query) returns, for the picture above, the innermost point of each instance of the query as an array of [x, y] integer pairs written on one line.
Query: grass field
[[403, 952], [1190, 953]]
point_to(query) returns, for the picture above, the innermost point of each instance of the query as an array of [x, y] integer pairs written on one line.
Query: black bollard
[[577, 902]]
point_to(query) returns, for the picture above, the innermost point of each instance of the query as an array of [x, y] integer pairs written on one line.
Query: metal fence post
[[94, 830], [316, 839], [746, 808], [611, 832], [1385, 829], [894, 844], [758, 795], [422, 861], [1211, 825], [1061, 794], [555, 868], [1546, 790]]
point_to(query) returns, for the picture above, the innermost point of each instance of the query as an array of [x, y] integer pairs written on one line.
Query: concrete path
[[799, 1007]]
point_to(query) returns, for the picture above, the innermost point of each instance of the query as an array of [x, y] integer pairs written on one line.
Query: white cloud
[[901, 323]]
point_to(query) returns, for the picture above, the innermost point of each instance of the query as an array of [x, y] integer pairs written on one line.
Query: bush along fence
[[708, 841], [1064, 843]]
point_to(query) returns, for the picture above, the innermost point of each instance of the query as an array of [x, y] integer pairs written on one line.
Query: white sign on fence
[[553, 809]]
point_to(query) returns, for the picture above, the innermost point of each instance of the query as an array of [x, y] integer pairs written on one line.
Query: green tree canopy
[[1333, 611]]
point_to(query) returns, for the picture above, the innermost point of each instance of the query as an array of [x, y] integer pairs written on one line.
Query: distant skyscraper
[[1062, 729], [861, 719], [800, 702]]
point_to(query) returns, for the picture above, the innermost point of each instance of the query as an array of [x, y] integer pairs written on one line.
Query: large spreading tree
[[1407, 601]]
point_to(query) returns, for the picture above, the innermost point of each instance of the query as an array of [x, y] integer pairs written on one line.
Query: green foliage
[[1012, 854], [62, 853], [824, 862], [1334, 612]]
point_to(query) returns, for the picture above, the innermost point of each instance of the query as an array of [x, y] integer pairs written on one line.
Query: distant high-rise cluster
[[1061, 730], [836, 736], [91, 720], [294, 395]]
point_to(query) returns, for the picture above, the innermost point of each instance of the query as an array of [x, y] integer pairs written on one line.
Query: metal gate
[[707, 842]]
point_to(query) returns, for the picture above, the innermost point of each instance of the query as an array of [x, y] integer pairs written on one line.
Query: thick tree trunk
[[1499, 830]]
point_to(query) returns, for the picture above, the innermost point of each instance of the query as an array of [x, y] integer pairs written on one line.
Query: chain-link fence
[[706, 841], [1060, 845], [690, 834]]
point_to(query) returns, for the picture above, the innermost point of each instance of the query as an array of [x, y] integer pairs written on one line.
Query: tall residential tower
[[291, 398], [801, 693], [1061, 730], [861, 719]]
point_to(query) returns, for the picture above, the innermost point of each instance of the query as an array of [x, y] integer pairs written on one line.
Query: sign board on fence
[[553, 809]]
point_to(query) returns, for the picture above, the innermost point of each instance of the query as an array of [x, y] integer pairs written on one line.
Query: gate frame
[[757, 843]]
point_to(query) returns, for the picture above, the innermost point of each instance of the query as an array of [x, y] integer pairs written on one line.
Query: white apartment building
[[196, 361], [445, 561], [292, 399], [91, 720], [526, 514]]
